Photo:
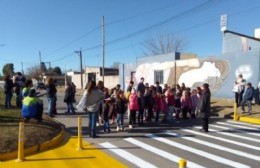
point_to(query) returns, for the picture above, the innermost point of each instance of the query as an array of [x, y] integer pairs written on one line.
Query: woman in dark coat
[[69, 98], [204, 107]]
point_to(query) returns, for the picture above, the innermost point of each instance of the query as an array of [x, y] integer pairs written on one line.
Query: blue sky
[[57, 28]]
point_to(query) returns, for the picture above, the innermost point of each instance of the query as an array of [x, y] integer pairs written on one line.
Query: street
[[228, 144]]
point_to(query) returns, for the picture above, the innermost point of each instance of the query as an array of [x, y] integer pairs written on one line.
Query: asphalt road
[[228, 144]]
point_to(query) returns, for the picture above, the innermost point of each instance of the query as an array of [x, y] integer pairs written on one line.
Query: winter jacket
[[32, 106], [249, 94], [69, 95], [185, 102], [204, 104], [120, 106], [51, 90], [94, 98], [170, 100], [133, 102]]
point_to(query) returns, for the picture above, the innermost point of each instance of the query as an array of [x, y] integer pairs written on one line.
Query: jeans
[[51, 103], [92, 123], [120, 120], [8, 97], [249, 104], [70, 108]]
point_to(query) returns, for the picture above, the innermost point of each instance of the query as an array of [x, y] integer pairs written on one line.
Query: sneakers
[[117, 128], [130, 126]]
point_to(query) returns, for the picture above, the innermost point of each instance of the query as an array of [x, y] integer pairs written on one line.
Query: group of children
[[176, 102]]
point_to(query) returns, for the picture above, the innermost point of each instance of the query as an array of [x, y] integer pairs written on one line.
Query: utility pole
[[80, 56], [40, 55], [103, 48], [22, 68]]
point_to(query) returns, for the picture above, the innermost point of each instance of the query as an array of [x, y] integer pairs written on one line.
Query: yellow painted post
[[79, 134], [20, 156], [235, 112], [182, 163]]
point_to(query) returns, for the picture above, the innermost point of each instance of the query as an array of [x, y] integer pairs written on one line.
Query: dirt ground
[[35, 133]]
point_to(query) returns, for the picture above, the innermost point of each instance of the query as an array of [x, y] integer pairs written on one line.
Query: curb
[[249, 120], [37, 148]]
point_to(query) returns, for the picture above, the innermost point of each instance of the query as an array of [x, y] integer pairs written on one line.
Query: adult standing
[[141, 86], [69, 98], [204, 107], [8, 91], [51, 96], [248, 97], [94, 98], [239, 88], [20, 81], [158, 88]]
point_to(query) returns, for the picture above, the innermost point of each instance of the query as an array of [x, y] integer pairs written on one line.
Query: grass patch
[[35, 133]]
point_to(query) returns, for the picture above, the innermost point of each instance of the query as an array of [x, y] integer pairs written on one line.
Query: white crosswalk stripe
[[241, 123], [219, 147], [223, 139], [234, 135], [160, 152], [199, 152], [239, 126], [128, 156], [229, 144]]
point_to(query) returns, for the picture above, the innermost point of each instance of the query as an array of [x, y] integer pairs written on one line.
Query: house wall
[[219, 71]]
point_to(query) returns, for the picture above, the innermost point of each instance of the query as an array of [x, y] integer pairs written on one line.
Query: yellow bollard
[[20, 156], [235, 118], [182, 163], [79, 134]]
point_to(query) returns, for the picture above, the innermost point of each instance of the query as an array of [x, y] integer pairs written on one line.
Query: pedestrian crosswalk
[[228, 144]]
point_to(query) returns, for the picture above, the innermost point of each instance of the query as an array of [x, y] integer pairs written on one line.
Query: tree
[[115, 65], [57, 71], [8, 69], [43, 67], [34, 72], [163, 44]]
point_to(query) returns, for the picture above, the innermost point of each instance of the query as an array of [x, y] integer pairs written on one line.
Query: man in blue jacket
[[248, 97]]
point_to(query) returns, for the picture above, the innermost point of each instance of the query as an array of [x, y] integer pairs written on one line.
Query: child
[[164, 108], [148, 101], [141, 109], [194, 99], [120, 108], [106, 108], [133, 107], [185, 104], [170, 103], [157, 105]]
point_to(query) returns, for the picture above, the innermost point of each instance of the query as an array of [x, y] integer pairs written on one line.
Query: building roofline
[[243, 35]]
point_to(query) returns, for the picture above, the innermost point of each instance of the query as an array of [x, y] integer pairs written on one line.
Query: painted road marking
[[199, 152], [219, 147], [241, 123], [160, 152], [235, 135], [127, 156], [239, 126], [222, 139]]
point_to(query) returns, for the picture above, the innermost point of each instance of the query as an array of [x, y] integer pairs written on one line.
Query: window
[[158, 76]]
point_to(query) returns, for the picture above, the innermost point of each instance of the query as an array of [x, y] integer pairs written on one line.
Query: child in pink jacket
[[185, 104], [133, 107]]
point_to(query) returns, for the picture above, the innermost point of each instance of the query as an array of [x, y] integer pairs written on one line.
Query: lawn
[[34, 133]]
